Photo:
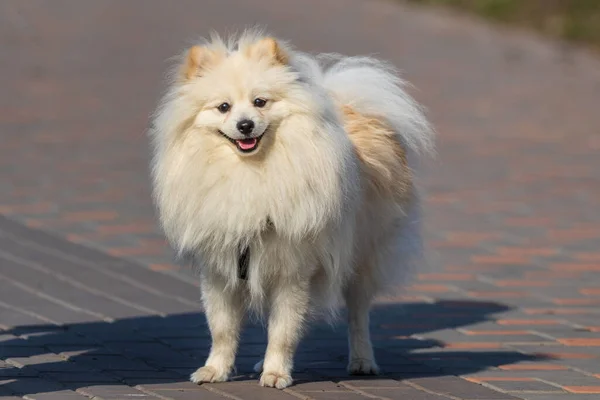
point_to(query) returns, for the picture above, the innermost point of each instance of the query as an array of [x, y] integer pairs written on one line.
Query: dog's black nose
[[245, 126]]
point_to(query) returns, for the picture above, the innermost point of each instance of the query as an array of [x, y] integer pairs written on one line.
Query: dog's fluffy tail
[[385, 124], [373, 88]]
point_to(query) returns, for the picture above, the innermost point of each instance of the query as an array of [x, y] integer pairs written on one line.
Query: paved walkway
[[507, 309]]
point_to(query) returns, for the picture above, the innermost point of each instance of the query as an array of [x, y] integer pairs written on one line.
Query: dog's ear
[[269, 48], [197, 60]]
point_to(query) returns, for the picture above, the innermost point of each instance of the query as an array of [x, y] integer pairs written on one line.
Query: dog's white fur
[[317, 230]]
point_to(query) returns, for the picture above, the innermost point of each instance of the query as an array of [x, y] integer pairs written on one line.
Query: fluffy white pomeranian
[[286, 176]]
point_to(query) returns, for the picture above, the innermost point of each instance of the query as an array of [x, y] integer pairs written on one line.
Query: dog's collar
[[244, 257], [243, 263]]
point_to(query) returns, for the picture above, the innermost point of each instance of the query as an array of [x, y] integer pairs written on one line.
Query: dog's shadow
[[155, 350]]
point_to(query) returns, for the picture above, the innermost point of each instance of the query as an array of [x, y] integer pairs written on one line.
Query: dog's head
[[248, 136], [241, 94]]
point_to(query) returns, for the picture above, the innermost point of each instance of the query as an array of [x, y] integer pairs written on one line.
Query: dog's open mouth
[[245, 145]]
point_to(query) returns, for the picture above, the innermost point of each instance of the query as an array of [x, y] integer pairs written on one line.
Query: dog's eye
[[223, 108], [260, 103]]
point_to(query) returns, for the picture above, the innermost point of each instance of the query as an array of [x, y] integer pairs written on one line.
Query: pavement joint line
[[30, 313], [549, 383], [358, 390], [55, 300], [581, 371], [423, 389], [77, 284], [534, 295], [222, 393], [144, 390], [92, 266], [542, 334], [292, 392]]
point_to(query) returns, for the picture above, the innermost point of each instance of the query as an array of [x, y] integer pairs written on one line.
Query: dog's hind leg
[[225, 312], [361, 360], [289, 306]]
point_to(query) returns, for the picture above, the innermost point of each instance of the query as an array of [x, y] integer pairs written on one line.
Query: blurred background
[[512, 87], [575, 20]]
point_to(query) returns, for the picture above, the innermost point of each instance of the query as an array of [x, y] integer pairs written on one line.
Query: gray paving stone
[[11, 317], [127, 268], [82, 273], [111, 363], [21, 352], [4, 390], [46, 239], [180, 333], [189, 395], [7, 340], [58, 338], [62, 366], [454, 386], [181, 391], [565, 378], [403, 393], [556, 396], [144, 350], [79, 377], [167, 284], [566, 331], [28, 301], [176, 363], [591, 366], [309, 385], [29, 329], [58, 395], [453, 336], [371, 382], [106, 332], [10, 371], [584, 319], [69, 293], [68, 351], [114, 392], [408, 369], [524, 386], [43, 361], [188, 343], [340, 395], [556, 377], [135, 376], [251, 391], [178, 385], [24, 386]]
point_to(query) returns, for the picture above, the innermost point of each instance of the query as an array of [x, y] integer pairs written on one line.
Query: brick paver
[[507, 308]]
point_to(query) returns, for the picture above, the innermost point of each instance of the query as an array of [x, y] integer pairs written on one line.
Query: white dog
[[286, 176]]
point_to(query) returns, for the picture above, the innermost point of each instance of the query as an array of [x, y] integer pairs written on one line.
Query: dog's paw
[[363, 366], [258, 367], [209, 374], [275, 380]]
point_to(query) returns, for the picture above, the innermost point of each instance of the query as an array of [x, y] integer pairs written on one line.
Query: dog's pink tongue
[[247, 144]]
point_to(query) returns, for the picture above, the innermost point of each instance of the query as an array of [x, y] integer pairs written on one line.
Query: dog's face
[[243, 95]]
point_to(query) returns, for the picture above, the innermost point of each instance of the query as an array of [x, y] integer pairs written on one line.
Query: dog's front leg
[[225, 312], [289, 304]]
